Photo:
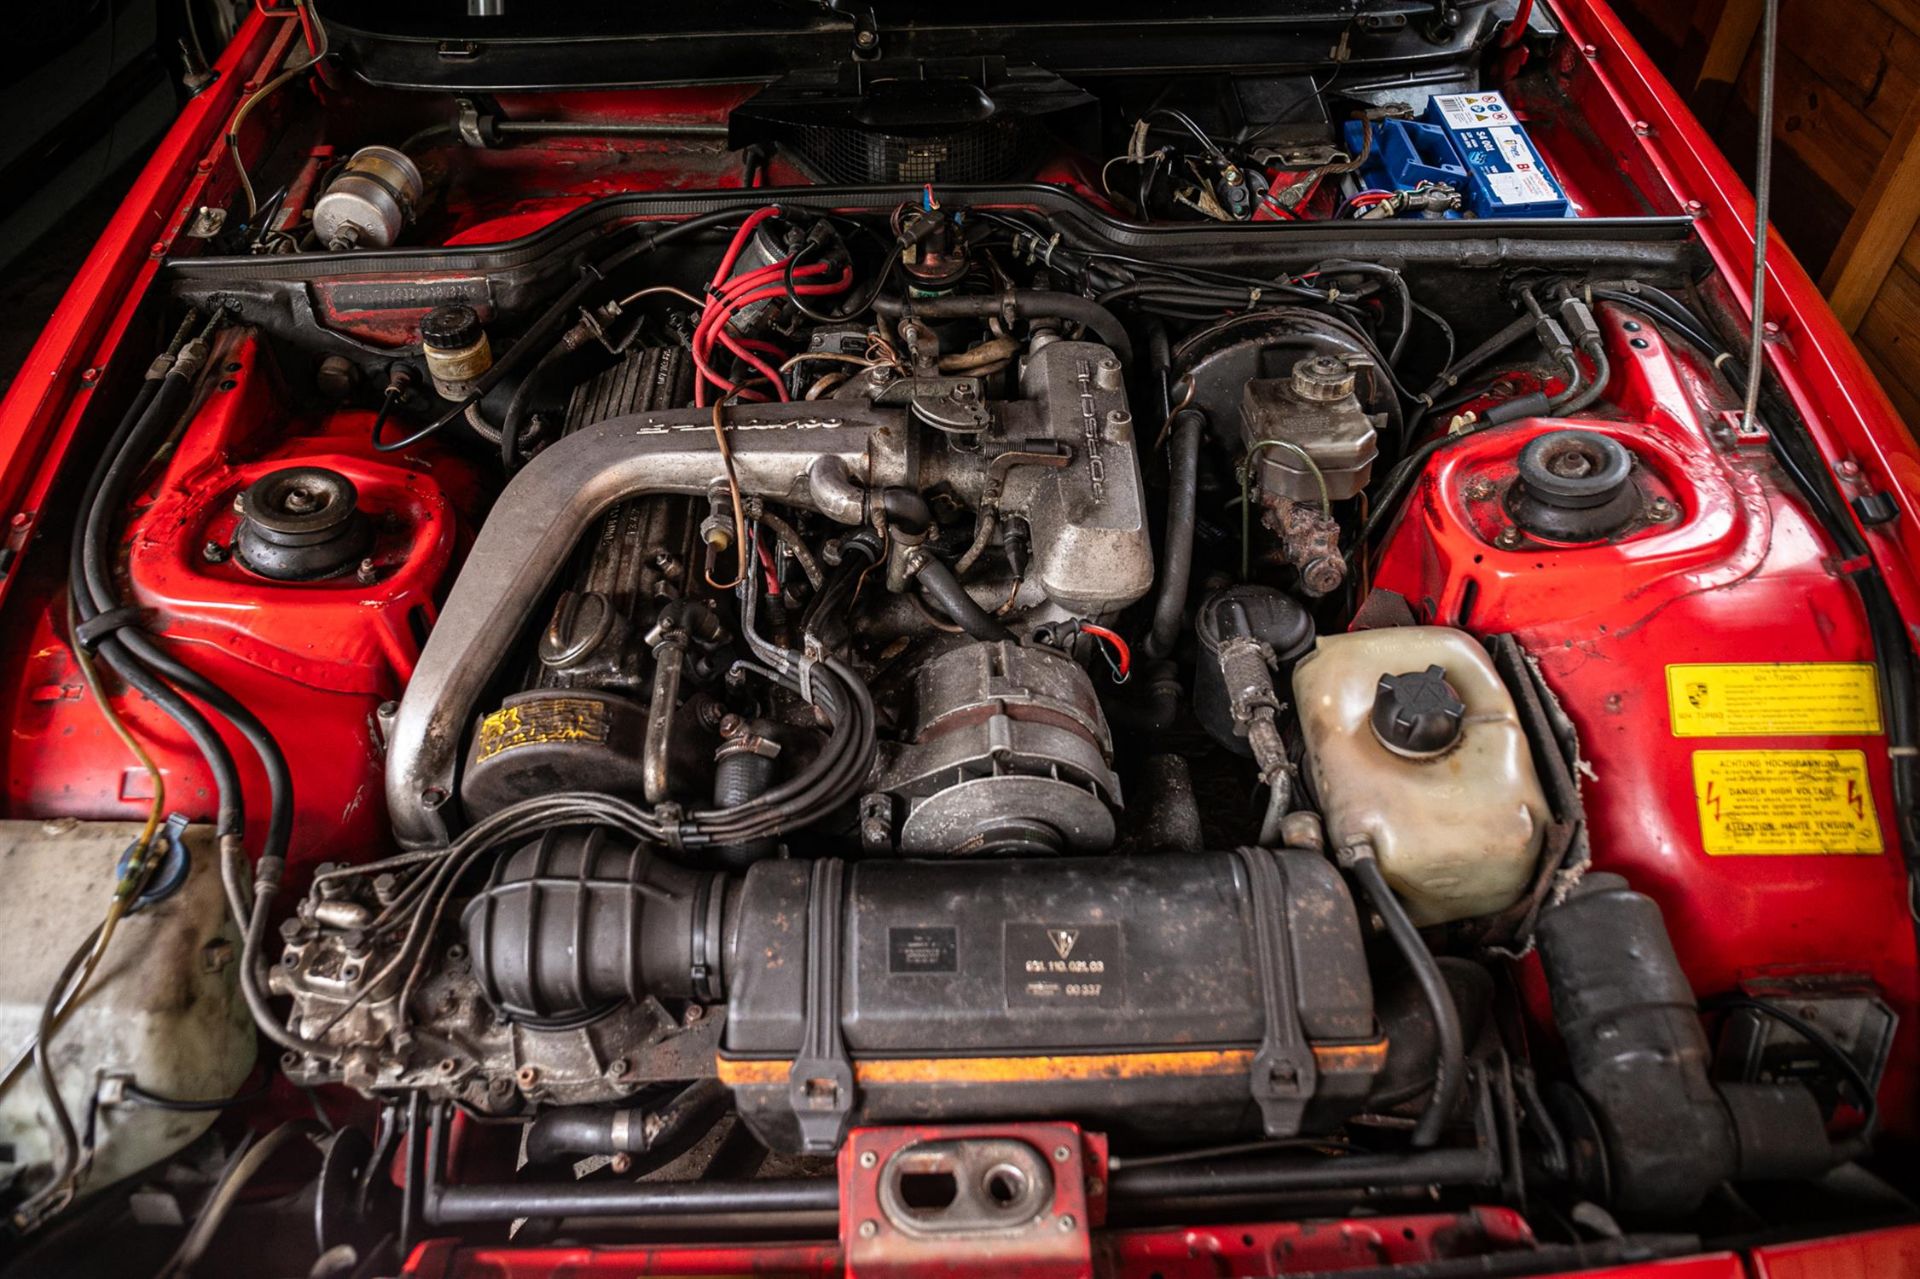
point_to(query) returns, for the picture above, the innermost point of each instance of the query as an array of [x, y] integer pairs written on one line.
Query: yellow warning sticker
[[1773, 699], [1765, 802], [557, 719]]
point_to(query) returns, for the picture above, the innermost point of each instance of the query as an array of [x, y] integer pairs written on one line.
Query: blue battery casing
[[1506, 178]]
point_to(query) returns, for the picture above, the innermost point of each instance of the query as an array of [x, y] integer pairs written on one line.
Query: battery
[[1506, 178]]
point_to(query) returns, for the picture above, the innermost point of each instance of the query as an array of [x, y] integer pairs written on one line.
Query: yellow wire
[[259, 95], [129, 885]]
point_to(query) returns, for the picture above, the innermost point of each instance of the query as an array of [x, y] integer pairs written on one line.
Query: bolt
[[20, 521], [866, 39], [1479, 489], [366, 573], [89, 377], [694, 1013], [526, 1077], [621, 1164], [617, 1067], [1641, 128], [1508, 539], [432, 797], [868, 1159], [214, 553], [159, 249], [1067, 1222], [1695, 208], [1771, 330], [1847, 469], [1660, 509], [216, 954], [868, 1229]]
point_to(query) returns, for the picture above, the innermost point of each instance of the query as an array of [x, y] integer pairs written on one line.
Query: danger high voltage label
[[1784, 802]]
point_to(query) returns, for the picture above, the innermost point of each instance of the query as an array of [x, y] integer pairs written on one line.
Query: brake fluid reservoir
[[1416, 749]]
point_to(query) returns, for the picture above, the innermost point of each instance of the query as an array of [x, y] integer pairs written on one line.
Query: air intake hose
[[1667, 1134]]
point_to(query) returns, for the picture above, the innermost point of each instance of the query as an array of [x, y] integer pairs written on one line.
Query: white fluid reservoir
[[1415, 749]]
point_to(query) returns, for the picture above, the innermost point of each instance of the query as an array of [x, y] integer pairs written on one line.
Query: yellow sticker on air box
[[1783, 802], [1773, 699]]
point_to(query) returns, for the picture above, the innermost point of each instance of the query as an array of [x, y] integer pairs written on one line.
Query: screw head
[[366, 573], [866, 39], [214, 553], [1062, 1154], [1507, 539], [868, 1159], [868, 1229], [1067, 1221]]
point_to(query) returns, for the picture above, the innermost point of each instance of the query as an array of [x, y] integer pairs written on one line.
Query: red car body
[[1756, 578]]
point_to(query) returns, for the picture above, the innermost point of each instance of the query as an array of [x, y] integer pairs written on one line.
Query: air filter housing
[[878, 123]]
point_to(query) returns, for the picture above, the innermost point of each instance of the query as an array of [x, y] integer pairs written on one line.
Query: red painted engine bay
[[1130, 740]]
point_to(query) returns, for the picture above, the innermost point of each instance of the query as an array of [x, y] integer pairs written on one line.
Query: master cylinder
[[1416, 749]]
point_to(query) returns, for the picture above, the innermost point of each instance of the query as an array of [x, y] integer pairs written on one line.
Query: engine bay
[[709, 672]]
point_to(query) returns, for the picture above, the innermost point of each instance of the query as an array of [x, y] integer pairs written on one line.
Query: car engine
[[661, 696]]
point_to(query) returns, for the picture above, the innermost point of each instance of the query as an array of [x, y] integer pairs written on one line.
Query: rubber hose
[[739, 778], [943, 590], [1176, 558], [568, 1132], [1450, 1073]]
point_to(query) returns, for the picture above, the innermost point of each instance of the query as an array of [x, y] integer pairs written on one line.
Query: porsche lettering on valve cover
[[809, 638]]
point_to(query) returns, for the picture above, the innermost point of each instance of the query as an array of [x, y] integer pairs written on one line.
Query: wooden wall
[[1846, 150]]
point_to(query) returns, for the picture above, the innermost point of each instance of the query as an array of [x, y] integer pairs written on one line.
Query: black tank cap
[[1417, 712]]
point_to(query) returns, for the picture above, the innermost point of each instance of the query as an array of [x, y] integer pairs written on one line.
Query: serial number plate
[[1064, 965]]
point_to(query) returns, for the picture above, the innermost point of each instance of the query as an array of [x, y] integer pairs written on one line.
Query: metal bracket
[[1019, 1198], [820, 1085], [1284, 1073]]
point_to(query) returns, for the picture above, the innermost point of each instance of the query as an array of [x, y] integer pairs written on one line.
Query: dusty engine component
[[1416, 751], [956, 962], [371, 202], [1061, 462], [1256, 613], [1655, 1132], [163, 1016], [1574, 486], [301, 524], [1316, 411], [1009, 753], [455, 348], [603, 696], [1308, 444]]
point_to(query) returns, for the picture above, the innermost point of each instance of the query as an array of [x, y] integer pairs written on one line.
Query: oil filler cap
[[1417, 713]]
